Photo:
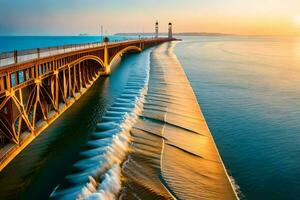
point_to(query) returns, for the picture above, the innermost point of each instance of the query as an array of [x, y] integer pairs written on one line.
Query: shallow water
[[249, 91], [173, 155]]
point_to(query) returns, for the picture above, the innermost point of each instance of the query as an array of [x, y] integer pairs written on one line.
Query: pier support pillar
[[106, 61]]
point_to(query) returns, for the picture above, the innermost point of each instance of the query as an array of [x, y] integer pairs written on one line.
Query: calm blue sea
[[249, 91], [10, 43]]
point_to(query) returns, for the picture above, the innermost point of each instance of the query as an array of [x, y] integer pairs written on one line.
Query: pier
[[37, 86]]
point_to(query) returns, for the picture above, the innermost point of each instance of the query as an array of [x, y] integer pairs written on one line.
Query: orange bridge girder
[[34, 93]]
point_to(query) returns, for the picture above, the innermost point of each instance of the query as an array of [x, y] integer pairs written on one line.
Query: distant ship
[[83, 34]]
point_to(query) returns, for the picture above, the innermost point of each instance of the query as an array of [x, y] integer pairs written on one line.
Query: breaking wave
[[97, 174]]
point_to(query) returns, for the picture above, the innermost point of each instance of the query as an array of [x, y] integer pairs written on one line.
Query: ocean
[[249, 92]]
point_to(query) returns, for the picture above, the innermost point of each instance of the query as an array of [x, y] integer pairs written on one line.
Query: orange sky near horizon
[[245, 17], [71, 17], [262, 26]]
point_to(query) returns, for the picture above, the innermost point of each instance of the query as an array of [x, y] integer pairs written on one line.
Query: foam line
[[97, 175]]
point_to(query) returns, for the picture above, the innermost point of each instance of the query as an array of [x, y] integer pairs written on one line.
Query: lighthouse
[[156, 29], [170, 34]]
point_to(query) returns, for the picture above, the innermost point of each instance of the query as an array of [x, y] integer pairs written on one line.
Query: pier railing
[[14, 57]]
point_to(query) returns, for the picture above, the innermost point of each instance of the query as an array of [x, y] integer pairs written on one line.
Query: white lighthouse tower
[[156, 29], [170, 33]]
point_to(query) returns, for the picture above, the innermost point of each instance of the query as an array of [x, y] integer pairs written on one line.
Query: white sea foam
[[236, 187], [98, 173], [108, 168]]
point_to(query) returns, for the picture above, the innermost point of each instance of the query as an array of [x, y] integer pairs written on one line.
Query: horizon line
[[151, 33]]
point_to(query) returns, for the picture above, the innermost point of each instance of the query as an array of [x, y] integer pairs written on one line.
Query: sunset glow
[[103, 99], [247, 17], [297, 20]]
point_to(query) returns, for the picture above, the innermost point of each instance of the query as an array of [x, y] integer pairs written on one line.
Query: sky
[[72, 17]]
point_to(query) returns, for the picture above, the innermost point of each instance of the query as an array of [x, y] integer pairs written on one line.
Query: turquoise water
[[10, 43], [249, 92]]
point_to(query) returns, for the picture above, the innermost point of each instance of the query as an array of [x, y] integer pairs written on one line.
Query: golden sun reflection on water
[[281, 52]]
